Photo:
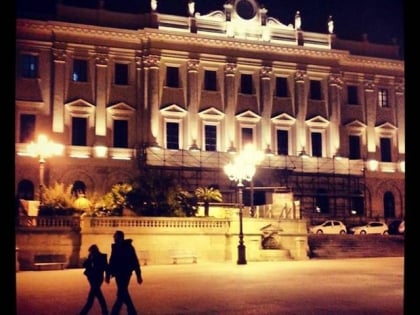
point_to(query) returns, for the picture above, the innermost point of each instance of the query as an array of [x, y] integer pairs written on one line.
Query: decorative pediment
[[249, 117], [173, 110], [386, 129], [356, 125], [283, 119], [80, 107], [211, 113], [317, 122], [121, 110]]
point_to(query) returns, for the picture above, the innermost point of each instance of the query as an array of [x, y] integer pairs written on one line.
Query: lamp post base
[[241, 255]]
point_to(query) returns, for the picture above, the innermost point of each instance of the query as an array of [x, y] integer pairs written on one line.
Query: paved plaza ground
[[365, 286]]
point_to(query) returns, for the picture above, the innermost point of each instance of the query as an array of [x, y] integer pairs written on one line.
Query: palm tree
[[207, 194]]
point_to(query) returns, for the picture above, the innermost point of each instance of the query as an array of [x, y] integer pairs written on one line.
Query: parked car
[[394, 227], [373, 227], [329, 227], [401, 227]]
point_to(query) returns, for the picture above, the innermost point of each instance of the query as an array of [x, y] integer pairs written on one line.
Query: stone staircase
[[355, 246]]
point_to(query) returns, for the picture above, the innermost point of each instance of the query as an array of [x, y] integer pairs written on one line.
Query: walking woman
[[96, 265]]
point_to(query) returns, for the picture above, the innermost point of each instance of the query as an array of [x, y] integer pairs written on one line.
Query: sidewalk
[[336, 286]]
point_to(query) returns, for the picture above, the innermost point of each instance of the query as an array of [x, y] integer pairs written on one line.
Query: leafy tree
[[152, 192], [206, 195], [117, 199], [183, 203], [57, 199]]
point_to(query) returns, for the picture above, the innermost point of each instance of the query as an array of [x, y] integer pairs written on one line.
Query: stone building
[[124, 91]]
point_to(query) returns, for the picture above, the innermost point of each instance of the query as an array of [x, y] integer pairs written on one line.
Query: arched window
[[78, 188], [25, 190], [389, 205], [357, 202], [322, 201]]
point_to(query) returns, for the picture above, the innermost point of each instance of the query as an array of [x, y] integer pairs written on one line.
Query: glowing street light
[[242, 169], [43, 149]]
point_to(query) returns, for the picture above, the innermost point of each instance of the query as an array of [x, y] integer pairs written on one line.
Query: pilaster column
[[142, 119], [300, 108], [152, 63], [267, 106], [101, 88], [400, 114], [60, 57], [335, 83], [370, 115], [192, 101], [230, 104]]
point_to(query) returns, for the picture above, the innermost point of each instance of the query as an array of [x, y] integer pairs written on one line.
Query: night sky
[[381, 20]]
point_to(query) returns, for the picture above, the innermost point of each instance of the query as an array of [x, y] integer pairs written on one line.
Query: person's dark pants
[[95, 291], [123, 297]]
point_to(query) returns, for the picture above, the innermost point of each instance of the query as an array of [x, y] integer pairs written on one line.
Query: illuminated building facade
[[124, 91]]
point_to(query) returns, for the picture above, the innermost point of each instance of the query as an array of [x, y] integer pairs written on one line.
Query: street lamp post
[[43, 149], [242, 169]]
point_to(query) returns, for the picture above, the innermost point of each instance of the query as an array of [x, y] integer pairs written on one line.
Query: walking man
[[122, 263]]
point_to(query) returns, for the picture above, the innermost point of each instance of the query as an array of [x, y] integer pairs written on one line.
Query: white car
[[373, 227], [329, 227]]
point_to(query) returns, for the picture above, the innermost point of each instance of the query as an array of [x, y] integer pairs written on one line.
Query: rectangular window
[[247, 136], [281, 87], [29, 66], [172, 77], [315, 90], [121, 74], [210, 132], [172, 136], [385, 150], [210, 80], [79, 131], [354, 148], [383, 100], [316, 141], [27, 128], [246, 84], [352, 95], [282, 142], [80, 67], [120, 133]]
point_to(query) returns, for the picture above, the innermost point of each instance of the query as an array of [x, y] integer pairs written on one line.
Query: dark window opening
[[172, 77], [210, 80], [210, 137], [352, 95], [281, 87], [282, 142], [354, 148], [29, 66], [247, 136], [246, 84], [172, 136], [79, 70], [79, 131], [120, 133], [27, 128], [385, 149], [315, 90], [316, 140], [383, 100], [121, 74]]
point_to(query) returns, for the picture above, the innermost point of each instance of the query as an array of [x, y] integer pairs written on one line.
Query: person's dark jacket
[[123, 260], [95, 266]]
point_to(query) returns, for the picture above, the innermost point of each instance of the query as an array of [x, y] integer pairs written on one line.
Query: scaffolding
[[332, 187]]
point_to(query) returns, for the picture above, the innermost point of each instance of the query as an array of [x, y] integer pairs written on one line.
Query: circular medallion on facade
[[245, 9]]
